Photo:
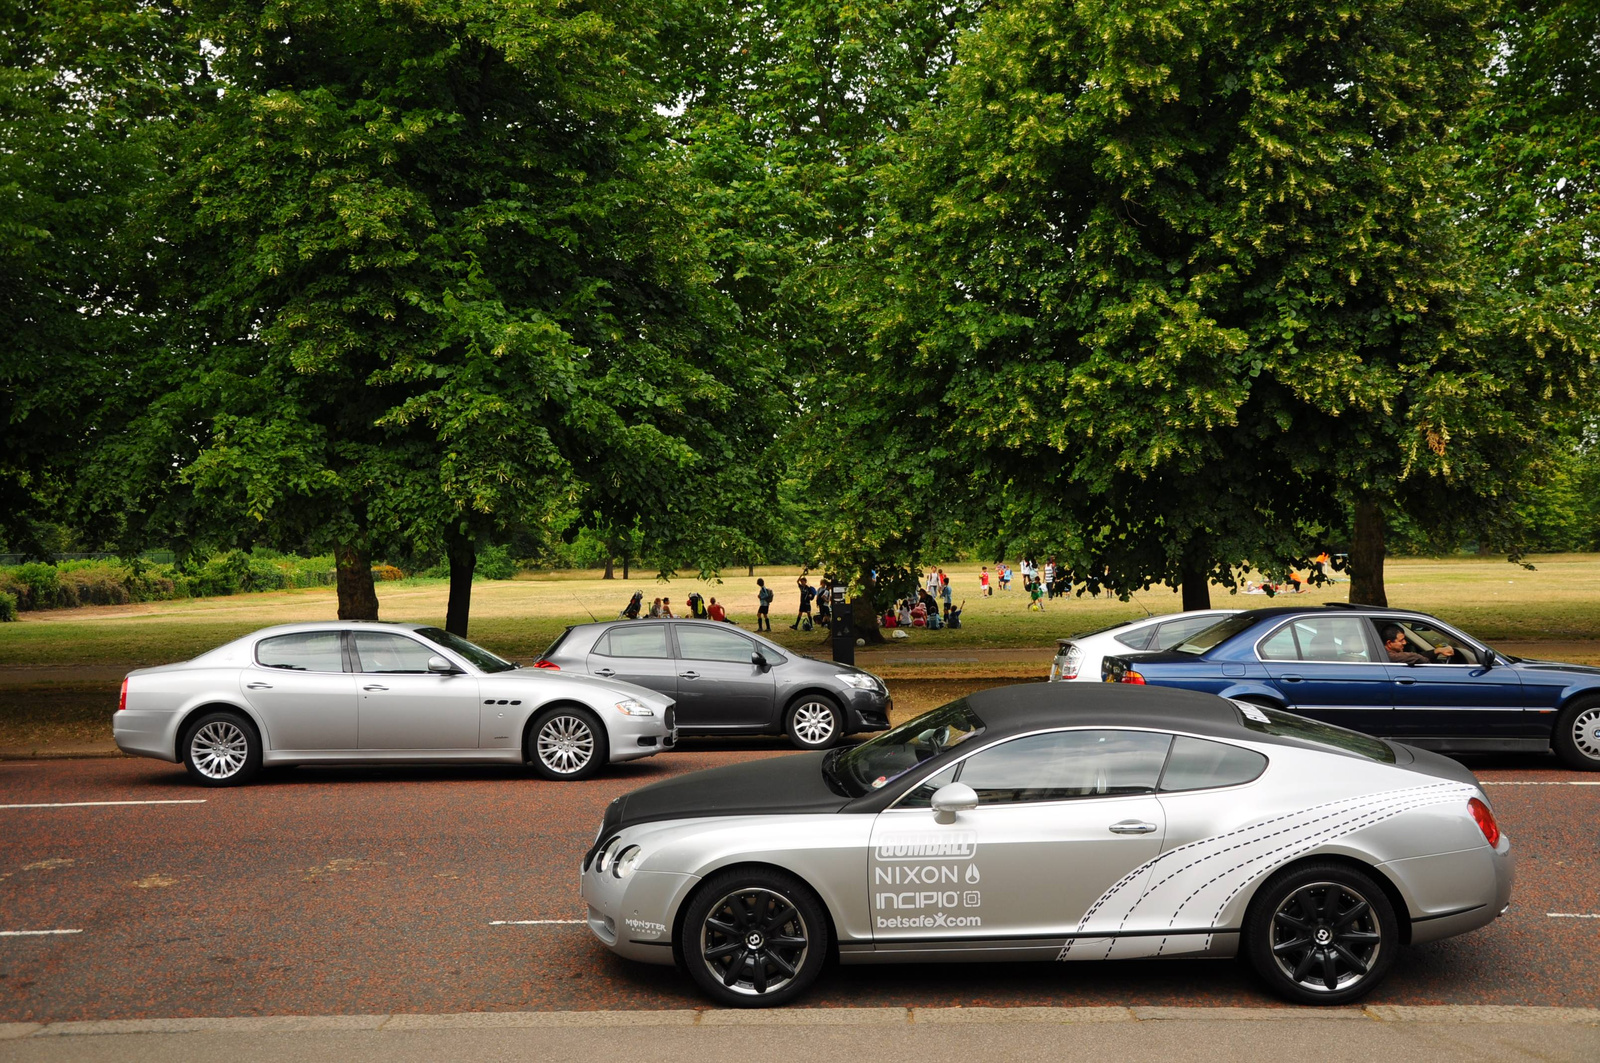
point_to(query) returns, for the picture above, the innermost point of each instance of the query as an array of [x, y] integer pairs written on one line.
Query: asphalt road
[[324, 891]]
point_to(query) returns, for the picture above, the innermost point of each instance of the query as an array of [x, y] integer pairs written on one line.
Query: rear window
[[550, 649], [1196, 764], [305, 651], [1216, 634], [1138, 638], [1284, 725]]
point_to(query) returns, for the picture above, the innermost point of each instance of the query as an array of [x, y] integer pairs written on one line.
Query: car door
[[1063, 817], [405, 706], [301, 688], [636, 653], [719, 688], [1330, 667], [1459, 699]]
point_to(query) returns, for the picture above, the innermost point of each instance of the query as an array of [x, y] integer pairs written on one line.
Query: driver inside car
[[1394, 640]]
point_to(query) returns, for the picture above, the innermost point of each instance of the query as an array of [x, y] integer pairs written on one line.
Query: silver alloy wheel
[[1586, 732], [219, 749], [813, 723], [1325, 937], [565, 744], [754, 941]]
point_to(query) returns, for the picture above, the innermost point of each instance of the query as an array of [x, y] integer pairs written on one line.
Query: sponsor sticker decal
[[644, 928], [927, 845], [938, 920]]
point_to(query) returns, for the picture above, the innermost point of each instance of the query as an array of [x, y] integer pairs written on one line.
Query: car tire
[[566, 743], [754, 937], [1577, 735], [814, 721], [222, 749], [1321, 933]]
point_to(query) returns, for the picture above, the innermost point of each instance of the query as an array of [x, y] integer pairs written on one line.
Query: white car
[[1078, 658], [348, 692]]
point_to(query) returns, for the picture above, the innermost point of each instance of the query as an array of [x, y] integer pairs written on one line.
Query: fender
[[1253, 689], [209, 700], [1579, 689]]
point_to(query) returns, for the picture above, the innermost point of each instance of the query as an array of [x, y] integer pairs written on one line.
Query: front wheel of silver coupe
[[1321, 933], [754, 938]]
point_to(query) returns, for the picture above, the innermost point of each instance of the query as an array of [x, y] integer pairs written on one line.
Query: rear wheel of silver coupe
[[754, 938], [815, 722], [222, 749], [1321, 933], [566, 742], [1577, 735]]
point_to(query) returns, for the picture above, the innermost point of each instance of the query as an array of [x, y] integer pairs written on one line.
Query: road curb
[[1488, 1014]]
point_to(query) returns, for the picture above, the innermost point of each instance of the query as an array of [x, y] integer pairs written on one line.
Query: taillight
[[1485, 819], [1130, 676], [554, 667], [122, 699]]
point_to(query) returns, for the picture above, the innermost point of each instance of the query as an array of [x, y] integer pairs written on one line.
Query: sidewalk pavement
[[1390, 1034]]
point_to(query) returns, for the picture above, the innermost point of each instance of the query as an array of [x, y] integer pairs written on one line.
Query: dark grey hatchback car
[[728, 681]]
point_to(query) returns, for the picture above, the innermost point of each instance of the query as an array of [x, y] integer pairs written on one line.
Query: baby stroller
[[697, 606], [631, 610]]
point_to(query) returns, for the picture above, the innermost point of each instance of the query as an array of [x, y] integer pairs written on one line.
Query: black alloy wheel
[[754, 938], [222, 749], [1321, 933], [1577, 735]]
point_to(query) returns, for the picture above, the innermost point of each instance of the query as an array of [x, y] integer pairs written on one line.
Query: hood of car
[[1556, 666], [770, 786], [576, 679]]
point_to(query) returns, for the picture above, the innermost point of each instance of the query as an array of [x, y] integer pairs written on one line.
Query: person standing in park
[[763, 603], [807, 592], [983, 582], [1050, 578]]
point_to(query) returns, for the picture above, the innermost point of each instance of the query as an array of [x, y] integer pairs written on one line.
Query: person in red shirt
[[716, 612]]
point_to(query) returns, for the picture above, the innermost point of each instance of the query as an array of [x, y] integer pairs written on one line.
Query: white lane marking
[[537, 922], [102, 804], [1514, 782], [1571, 915], [34, 933]]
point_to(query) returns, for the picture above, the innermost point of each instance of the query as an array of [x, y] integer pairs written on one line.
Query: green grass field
[[1560, 600]]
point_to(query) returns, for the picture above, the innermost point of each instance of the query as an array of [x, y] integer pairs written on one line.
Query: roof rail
[[1346, 605]]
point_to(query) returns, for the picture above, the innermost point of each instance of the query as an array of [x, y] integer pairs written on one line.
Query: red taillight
[[1485, 819], [547, 664], [1130, 676], [122, 699]]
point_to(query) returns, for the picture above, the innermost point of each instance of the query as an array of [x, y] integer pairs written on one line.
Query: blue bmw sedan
[[1387, 672]]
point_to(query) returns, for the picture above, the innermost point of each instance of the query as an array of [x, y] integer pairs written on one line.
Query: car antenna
[[585, 608]]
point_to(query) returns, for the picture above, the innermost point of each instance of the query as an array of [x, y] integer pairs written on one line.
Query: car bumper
[[634, 737], [145, 734], [633, 917], [1454, 893], [867, 710]]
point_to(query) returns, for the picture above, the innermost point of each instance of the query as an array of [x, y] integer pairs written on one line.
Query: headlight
[[634, 708], [603, 861], [858, 680], [626, 861]]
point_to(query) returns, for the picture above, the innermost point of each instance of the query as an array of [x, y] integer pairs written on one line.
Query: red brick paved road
[[362, 891]]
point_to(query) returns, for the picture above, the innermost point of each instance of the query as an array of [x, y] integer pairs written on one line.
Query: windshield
[[878, 761], [1216, 634], [1284, 725], [481, 658]]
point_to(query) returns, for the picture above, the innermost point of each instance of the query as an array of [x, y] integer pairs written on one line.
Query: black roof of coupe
[[1029, 706]]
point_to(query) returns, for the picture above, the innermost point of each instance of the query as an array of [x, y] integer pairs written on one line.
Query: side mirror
[[952, 798], [758, 660], [441, 666], [1488, 660]]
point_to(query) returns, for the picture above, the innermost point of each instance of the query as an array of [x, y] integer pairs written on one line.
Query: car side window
[[1138, 638], [697, 643], [381, 652], [305, 651], [921, 795], [1175, 631], [1327, 639], [646, 640], [1196, 764], [1431, 642], [1066, 764]]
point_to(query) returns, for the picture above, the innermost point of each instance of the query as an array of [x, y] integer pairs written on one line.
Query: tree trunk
[[610, 565], [463, 554], [750, 570], [864, 613], [624, 567], [1195, 576], [1366, 556], [358, 599]]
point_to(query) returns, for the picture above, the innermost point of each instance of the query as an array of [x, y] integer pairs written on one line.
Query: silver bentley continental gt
[[354, 692], [1054, 821]]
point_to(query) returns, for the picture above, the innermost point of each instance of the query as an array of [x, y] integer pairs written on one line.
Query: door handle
[[1290, 678], [604, 673], [688, 675], [1133, 826], [374, 686], [258, 686], [1406, 682]]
